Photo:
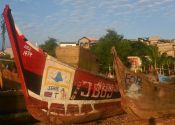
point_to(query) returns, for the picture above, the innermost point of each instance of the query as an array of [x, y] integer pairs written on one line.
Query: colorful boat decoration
[[166, 79], [56, 92], [142, 97]]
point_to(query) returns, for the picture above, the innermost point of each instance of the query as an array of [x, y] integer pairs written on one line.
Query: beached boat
[[12, 101], [9, 80], [142, 97], [11, 95], [56, 92]]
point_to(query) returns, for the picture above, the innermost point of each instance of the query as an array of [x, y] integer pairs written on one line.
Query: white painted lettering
[[89, 88]]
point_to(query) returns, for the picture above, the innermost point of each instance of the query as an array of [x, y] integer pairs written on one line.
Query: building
[[2, 53], [164, 45], [9, 51], [87, 42], [63, 44], [167, 47], [78, 57], [153, 40], [135, 63], [143, 39]]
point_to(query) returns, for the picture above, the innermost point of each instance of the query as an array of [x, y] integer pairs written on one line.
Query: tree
[[139, 49], [166, 63], [154, 55], [49, 46], [124, 50], [103, 49]]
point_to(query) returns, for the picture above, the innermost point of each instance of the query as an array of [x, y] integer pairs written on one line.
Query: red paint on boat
[[89, 93], [13, 39], [88, 86], [28, 60]]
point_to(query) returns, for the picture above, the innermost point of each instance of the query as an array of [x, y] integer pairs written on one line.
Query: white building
[[63, 44]]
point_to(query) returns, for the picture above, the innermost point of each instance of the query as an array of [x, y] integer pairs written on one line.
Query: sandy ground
[[126, 119], [129, 120]]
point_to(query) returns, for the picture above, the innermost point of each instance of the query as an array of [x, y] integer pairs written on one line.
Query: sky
[[70, 20]]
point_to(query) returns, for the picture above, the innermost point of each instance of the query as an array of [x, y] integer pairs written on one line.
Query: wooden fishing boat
[[142, 97], [9, 80], [11, 101], [56, 92], [11, 95]]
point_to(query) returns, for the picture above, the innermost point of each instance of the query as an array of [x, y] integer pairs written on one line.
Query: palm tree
[[169, 63], [154, 55]]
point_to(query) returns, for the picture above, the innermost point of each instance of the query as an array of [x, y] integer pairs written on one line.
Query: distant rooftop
[[133, 40], [63, 44], [67, 42], [89, 38], [154, 38]]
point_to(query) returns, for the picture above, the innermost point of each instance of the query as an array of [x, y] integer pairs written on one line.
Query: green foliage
[[149, 54], [143, 51], [49, 46], [124, 50], [103, 49], [166, 61], [154, 55], [139, 49]]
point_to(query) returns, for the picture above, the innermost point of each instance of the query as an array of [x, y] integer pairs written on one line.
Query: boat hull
[[11, 95], [86, 96], [70, 113], [142, 97], [56, 92], [148, 109], [12, 101]]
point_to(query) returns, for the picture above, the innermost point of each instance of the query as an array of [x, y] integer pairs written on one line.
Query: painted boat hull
[[58, 93], [141, 97], [57, 115]]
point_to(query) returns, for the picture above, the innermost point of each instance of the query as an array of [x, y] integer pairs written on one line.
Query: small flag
[[47, 94], [58, 77]]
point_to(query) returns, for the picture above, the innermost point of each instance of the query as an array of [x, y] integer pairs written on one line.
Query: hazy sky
[[69, 20]]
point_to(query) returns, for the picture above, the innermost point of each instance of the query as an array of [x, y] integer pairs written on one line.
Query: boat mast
[[119, 70], [13, 37]]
